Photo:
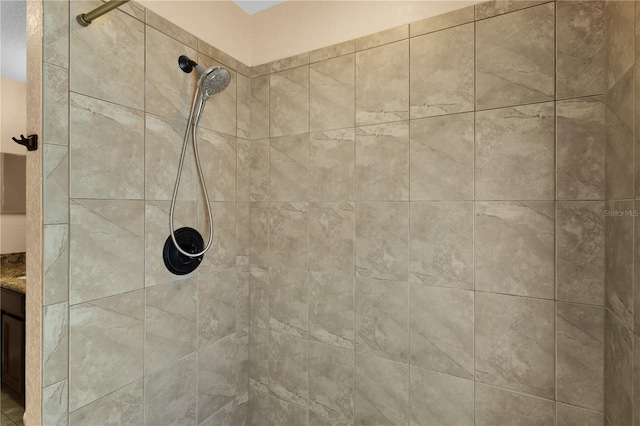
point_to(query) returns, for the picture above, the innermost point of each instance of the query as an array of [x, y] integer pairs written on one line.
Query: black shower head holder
[[186, 64]]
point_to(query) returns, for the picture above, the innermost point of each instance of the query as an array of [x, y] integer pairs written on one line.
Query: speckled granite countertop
[[13, 266]]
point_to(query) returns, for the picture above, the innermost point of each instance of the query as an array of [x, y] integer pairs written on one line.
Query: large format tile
[[382, 240], [55, 37], [441, 22], [289, 102], [331, 165], [258, 409], [216, 377], [222, 254], [581, 143], [568, 415], [514, 245], [332, 51], [55, 408], [439, 399], [331, 318], [332, 93], [97, 344], [169, 91], [288, 375], [288, 301], [382, 84], [381, 315], [515, 58], [108, 161], [442, 158], [55, 343], [243, 107], [619, 160], [580, 66], [170, 394], [515, 343], [259, 296], [216, 306], [441, 244], [55, 99], [259, 169], [382, 37], [220, 113], [331, 378], [55, 262], [331, 237], [289, 235], [492, 8], [289, 168], [163, 144], [259, 233], [218, 153], [441, 329], [106, 248], [619, 284], [260, 107], [284, 414], [243, 170], [580, 251], [580, 357], [107, 58], [124, 406], [515, 153], [618, 374], [619, 39], [381, 391], [382, 162], [170, 329], [289, 62], [496, 406], [55, 193], [442, 68], [258, 360]]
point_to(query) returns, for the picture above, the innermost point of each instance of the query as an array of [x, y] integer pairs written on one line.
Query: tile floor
[[12, 408]]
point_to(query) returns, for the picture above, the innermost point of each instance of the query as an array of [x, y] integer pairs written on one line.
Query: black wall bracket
[[31, 142]]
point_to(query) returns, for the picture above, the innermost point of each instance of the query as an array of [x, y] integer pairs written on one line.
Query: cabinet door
[[13, 353]]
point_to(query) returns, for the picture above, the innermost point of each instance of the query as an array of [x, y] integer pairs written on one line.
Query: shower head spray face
[[214, 80]]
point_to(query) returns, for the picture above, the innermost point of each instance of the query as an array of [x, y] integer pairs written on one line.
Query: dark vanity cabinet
[[13, 339]]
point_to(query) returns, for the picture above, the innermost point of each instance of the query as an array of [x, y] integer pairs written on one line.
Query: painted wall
[[427, 223], [13, 118]]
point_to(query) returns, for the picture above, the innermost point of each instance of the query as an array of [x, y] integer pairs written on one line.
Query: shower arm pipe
[[85, 19]]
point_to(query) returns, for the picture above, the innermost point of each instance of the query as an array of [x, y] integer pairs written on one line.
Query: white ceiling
[[13, 39], [254, 6]]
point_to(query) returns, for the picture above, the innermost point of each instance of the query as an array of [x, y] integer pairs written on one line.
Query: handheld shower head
[[214, 80]]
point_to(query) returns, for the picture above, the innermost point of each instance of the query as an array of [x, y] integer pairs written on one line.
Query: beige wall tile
[[170, 394], [163, 143], [514, 247], [220, 113], [55, 184], [332, 51], [243, 304], [288, 301], [55, 262], [515, 153], [618, 371], [290, 62], [332, 93], [568, 415], [97, 344], [243, 106], [107, 58], [636, 149], [382, 37], [331, 317], [258, 409], [331, 237], [55, 104], [331, 165], [331, 380], [55, 41], [288, 375], [382, 84], [124, 406], [619, 178], [217, 55], [499, 7], [259, 233], [258, 360], [99, 266], [580, 251], [442, 160], [243, 237], [619, 39], [222, 254], [289, 102], [441, 332], [580, 67], [440, 22], [580, 363], [170, 323], [283, 413], [515, 344], [224, 416], [55, 399], [441, 244], [218, 151], [381, 391], [581, 143], [166, 27], [382, 162], [109, 162], [436, 398], [55, 343], [496, 406], [289, 235], [243, 169], [216, 306], [289, 168], [259, 296], [619, 285], [216, 376], [260, 107], [442, 72], [515, 57], [382, 233], [381, 309], [259, 153]]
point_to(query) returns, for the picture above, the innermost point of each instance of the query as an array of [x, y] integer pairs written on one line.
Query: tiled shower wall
[[126, 342], [622, 329], [427, 223]]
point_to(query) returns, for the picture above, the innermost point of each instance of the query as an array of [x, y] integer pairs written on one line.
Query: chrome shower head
[[214, 80]]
